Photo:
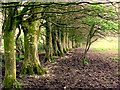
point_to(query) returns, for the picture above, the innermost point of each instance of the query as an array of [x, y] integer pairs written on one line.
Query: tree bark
[[48, 48], [31, 64], [66, 41], [73, 42], [10, 60], [54, 42], [60, 47], [63, 37]]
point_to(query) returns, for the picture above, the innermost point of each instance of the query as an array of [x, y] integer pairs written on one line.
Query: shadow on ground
[[68, 72]]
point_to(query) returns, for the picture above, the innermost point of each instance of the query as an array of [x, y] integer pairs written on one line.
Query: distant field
[[109, 43]]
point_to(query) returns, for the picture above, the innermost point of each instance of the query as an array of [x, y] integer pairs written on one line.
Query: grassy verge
[[107, 44]]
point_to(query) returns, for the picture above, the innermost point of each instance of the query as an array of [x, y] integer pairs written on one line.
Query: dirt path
[[68, 72]]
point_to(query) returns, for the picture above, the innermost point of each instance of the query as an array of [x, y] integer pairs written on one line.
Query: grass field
[[109, 43]]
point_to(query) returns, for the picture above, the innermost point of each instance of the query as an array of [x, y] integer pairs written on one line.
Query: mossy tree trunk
[[31, 64], [73, 42], [63, 37], [48, 47], [54, 42], [9, 50], [69, 44], [60, 47], [66, 40]]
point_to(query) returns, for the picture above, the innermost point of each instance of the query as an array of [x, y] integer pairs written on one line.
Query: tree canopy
[[60, 25]]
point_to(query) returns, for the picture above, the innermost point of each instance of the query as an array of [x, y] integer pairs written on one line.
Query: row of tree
[[63, 23]]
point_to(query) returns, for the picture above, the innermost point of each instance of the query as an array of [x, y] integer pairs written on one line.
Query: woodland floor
[[68, 73]]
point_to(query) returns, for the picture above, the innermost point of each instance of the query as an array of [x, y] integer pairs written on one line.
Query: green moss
[[17, 85], [52, 61], [64, 50], [41, 71], [10, 62], [60, 54], [33, 69], [8, 81], [85, 62], [12, 84], [48, 57], [55, 54]]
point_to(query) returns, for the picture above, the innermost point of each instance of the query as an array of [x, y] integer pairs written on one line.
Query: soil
[[68, 72]]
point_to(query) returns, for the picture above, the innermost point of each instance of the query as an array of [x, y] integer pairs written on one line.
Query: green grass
[[84, 62], [107, 44], [116, 58]]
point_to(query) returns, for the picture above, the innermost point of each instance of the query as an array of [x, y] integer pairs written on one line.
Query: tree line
[[63, 24]]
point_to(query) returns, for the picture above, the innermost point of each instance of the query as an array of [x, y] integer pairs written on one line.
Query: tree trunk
[[70, 44], [31, 64], [73, 42], [63, 36], [66, 41], [48, 48], [10, 60], [54, 42], [60, 47]]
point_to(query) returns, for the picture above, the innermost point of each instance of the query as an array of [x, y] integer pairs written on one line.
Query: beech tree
[[56, 51], [48, 46], [9, 27], [63, 25], [31, 29]]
